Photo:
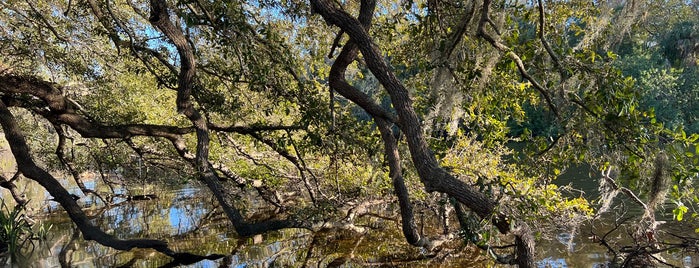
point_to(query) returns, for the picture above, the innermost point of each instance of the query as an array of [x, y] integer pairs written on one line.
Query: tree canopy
[[317, 105]]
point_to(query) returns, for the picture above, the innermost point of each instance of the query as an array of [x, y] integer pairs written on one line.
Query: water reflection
[[576, 249], [187, 217]]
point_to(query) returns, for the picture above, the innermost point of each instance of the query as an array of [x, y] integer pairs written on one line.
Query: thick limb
[[431, 174]]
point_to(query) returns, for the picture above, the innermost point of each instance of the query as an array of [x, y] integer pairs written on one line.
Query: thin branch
[[550, 145], [303, 166], [624, 190], [253, 129], [60, 153], [607, 126], [485, 19], [46, 23], [542, 32], [131, 44]]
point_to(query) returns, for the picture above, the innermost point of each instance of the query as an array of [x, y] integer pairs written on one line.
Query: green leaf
[[679, 212]]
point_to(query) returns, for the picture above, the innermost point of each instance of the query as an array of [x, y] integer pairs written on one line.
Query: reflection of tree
[[333, 245], [65, 256], [212, 214]]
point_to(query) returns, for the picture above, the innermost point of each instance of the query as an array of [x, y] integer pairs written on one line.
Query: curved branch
[[26, 165], [337, 82], [62, 110], [160, 18], [434, 177], [431, 174], [10, 185]]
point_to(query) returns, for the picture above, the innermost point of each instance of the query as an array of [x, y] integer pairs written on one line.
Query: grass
[[16, 231]]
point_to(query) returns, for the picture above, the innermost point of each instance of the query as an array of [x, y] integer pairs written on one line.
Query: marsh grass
[[17, 232]]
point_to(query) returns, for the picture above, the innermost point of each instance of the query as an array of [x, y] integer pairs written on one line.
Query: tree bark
[[431, 174], [382, 117]]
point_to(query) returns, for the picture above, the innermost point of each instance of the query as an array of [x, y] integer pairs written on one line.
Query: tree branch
[[542, 32], [10, 185], [26, 166], [160, 18], [431, 174], [485, 18], [337, 82]]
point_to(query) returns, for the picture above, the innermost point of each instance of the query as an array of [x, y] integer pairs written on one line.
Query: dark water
[[575, 248], [186, 217]]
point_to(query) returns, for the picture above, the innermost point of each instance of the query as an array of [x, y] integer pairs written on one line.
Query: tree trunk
[[338, 82], [431, 174]]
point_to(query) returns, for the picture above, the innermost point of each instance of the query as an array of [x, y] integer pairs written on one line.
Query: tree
[[444, 82]]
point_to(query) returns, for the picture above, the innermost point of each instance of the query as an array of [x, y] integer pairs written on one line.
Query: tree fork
[[431, 174], [383, 120]]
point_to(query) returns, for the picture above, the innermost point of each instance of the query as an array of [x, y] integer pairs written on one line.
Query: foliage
[[510, 185], [609, 84]]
